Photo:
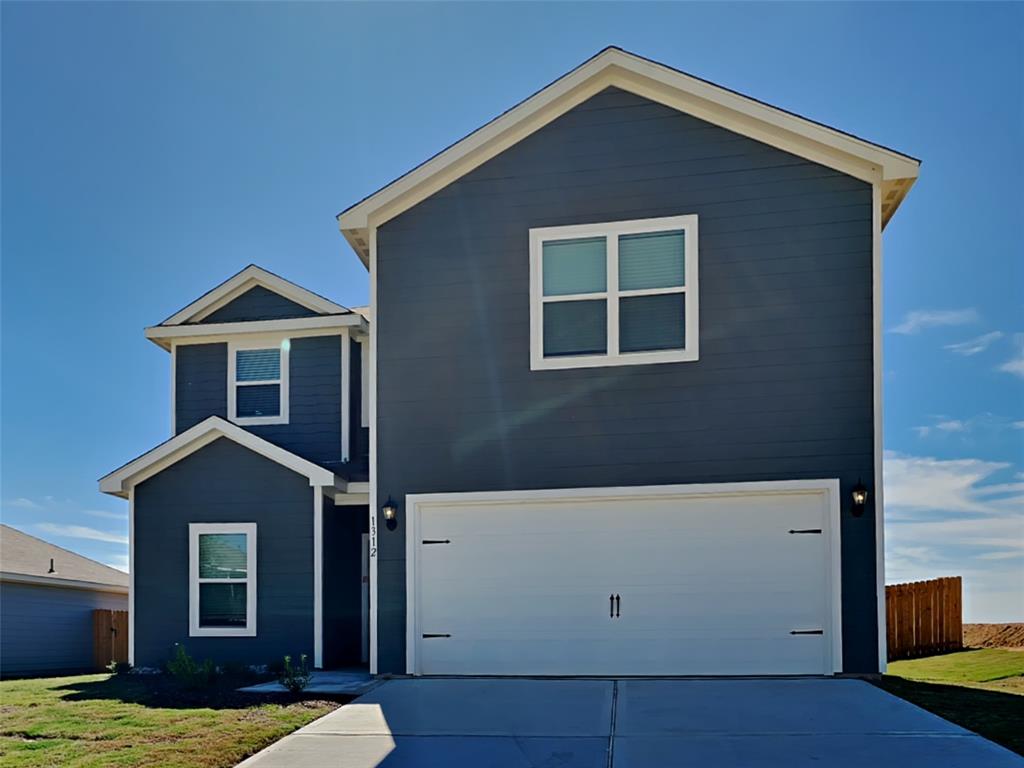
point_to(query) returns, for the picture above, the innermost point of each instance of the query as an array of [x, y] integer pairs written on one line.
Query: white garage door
[[736, 579]]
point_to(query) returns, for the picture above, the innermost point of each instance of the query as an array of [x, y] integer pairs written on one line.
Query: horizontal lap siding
[[221, 483], [313, 430], [258, 303], [47, 629], [783, 387]]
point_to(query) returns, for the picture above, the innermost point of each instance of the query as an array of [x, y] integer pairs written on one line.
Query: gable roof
[[615, 67], [242, 282], [27, 556], [171, 451]]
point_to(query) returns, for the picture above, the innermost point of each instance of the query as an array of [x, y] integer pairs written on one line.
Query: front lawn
[[141, 720], [979, 668], [981, 690]]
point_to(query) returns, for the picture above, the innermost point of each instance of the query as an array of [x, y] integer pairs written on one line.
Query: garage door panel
[[707, 584]]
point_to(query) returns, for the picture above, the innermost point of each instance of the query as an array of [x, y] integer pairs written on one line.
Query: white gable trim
[[248, 278], [209, 333], [122, 480], [614, 67]]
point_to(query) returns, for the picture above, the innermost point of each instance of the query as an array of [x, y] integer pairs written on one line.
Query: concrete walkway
[[353, 682], [516, 723]]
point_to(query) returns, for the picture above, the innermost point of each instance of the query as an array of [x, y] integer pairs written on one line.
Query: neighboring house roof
[[25, 558], [614, 67], [202, 434], [188, 322]]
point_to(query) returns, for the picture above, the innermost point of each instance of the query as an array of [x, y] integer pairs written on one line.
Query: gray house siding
[[313, 430], [224, 482], [47, 629], [258, 303], [200, 384], [783, 387]]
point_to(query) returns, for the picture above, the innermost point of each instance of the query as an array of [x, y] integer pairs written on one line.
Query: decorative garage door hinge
[[429, 636], [807, 632], [437, 541], [805, 530]]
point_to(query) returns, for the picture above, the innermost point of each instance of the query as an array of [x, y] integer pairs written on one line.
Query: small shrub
[[119, 667], [188, 671], [295, 677]]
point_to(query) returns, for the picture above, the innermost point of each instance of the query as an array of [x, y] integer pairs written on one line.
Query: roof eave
[[615, 67]]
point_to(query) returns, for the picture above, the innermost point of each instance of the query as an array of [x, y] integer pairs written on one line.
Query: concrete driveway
[[515, 723]]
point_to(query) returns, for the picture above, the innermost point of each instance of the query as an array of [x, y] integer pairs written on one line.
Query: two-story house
[[623, 396]]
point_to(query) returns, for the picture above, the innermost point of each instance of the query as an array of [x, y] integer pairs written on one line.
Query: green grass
[[981, 690], [967, 667], [98, 720]]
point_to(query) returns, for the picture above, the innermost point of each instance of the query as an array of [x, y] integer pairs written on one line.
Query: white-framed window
[[619, 293], [222, 579], [258, 382]]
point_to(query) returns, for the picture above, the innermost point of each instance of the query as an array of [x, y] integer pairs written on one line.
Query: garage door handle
[[807, 632], [428, 636], [806, 530]]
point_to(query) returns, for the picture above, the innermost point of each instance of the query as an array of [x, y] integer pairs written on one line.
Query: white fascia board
[[48, 581], [249, 277], [202, 434], [614, 67], [164, 335]]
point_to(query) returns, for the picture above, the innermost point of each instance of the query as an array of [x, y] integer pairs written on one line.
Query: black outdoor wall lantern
[[390, 510], [860, 498]]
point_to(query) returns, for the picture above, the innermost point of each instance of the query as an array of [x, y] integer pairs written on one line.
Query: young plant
[[188, 671], [295, 677]]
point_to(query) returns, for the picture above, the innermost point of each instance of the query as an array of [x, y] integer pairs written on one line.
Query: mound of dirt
[[994, 635]]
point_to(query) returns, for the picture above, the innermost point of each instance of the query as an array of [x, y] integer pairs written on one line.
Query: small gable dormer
[[274, 358]]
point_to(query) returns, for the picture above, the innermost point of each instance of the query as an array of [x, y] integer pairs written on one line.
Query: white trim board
[[245, 280], [614, 67], [209, 333], [318, 578], [830, 488], [122, 480], [877, 402], [374, 494]]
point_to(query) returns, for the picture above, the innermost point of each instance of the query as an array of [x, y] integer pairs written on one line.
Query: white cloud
[[920, 319], [1018, 425], [921, 482], [975, 345], [23, 503], [1015, 364], [108, 515], [82, 532]]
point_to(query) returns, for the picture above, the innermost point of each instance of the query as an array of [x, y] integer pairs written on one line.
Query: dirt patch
[[994, 635]]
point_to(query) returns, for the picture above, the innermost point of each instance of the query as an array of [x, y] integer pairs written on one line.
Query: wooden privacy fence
[[924, 618], [109, 637]]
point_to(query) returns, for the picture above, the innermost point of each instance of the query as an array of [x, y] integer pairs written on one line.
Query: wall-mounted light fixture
[[390, 510], [859, 494]]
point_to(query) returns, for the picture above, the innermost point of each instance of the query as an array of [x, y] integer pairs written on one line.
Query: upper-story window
[[621, 293], [258, 383]]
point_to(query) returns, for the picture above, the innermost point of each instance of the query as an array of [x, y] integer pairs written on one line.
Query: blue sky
[[151, 150]]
